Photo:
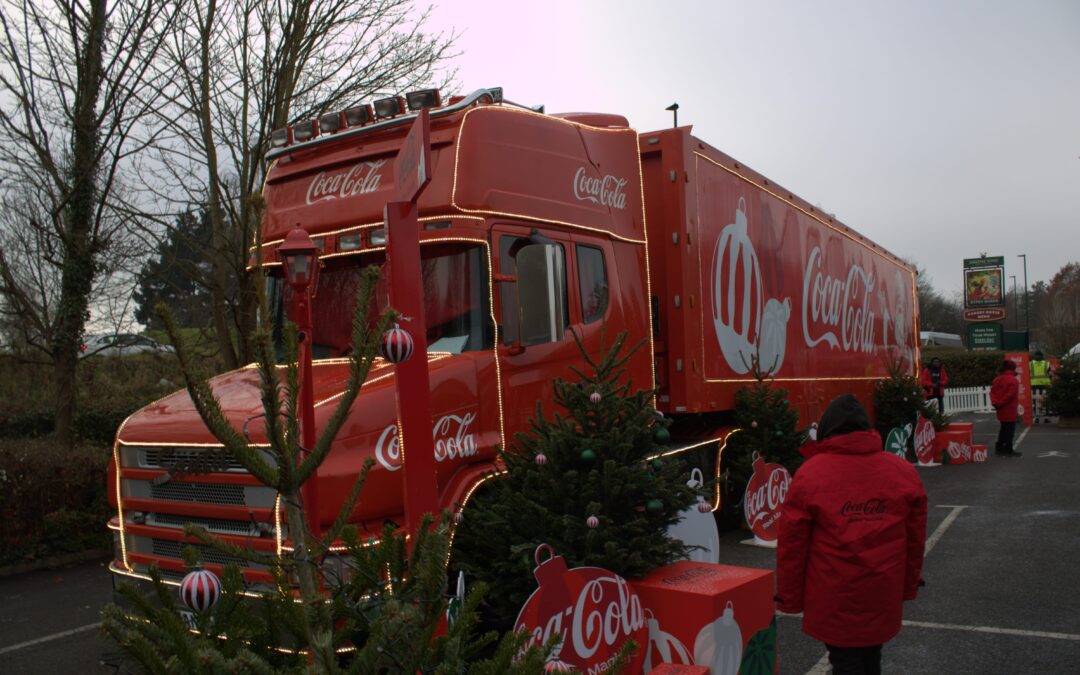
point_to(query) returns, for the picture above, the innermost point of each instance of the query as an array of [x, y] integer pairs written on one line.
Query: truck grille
[[164, 458], [217, 525], [203, 493], [166, 548]]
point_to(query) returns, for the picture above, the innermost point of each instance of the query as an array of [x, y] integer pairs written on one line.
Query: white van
[[929, 338]]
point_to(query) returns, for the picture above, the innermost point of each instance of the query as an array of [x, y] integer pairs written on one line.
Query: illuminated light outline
[[722, 442], [648, 268], [519, 216], [843, 231], [464, 502], [360, 228]]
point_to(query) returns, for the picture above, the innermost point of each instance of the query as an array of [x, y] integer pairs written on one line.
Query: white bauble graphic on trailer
[[774, 335], [736, 318]]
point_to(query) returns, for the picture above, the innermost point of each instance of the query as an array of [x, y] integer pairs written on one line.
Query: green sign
[[976, 263], [984, 336]]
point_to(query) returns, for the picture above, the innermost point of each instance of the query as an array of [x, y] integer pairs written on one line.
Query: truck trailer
[[533, 226]]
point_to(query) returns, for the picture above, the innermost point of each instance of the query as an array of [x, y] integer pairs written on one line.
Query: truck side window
[[592, 282], [510, 320]]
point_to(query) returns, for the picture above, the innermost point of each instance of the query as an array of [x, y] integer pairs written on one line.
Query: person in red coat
[[1005, 397], [851, 542], [934, 380]]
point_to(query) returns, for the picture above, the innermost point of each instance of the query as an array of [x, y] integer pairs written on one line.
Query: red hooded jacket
[[1005, 396], [852, 536]]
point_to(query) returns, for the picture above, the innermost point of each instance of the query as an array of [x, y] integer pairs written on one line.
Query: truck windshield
[[455, 300]]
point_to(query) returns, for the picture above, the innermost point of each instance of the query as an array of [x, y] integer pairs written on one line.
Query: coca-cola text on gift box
[[717, 616]]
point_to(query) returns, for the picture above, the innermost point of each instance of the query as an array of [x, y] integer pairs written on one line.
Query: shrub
[[967, 369], [1064, 396], [53, 501]]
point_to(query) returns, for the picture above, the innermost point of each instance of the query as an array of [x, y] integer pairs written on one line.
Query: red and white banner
[[1023, 376]]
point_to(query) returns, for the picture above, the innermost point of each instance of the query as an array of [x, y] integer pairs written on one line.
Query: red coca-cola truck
[[533, 225]]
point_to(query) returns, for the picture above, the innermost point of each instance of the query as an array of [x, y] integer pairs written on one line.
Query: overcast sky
[[940, 129]]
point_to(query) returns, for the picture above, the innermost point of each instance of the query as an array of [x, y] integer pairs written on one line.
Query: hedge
[[966, 369], [53, 500]]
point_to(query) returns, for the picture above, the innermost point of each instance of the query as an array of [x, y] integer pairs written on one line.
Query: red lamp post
[[299, 257]]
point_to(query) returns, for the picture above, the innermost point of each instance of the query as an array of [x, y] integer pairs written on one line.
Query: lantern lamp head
[[299, 258]]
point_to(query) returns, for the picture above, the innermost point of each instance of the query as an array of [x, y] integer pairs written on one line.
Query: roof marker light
[[279, 138], [305, 131], [359, 115], [389, 107], [425, 98], [330, 122], [496, 94]]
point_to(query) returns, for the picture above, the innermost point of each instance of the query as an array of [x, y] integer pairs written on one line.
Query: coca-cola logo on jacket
[[452, 436], [361, 178], [603, 190], [870, 507]]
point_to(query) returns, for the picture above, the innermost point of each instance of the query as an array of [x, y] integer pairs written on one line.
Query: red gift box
[[716, 616], [955, 444]]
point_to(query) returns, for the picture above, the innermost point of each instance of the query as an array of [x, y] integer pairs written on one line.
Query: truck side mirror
[[541, 289]]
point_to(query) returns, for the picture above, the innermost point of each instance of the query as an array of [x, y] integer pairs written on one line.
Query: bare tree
[[247, 67], [74, 85], [1060, 310]]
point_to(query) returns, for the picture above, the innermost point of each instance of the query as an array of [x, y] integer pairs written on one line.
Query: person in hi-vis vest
[[1040, 382]]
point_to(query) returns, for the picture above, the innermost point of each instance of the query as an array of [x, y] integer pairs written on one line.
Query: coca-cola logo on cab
[[451, 434], [360, 178], [603, 190]]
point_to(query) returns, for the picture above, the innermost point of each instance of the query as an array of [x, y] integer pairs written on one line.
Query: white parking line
[[49, 638], [1021, 439], [996, 631]]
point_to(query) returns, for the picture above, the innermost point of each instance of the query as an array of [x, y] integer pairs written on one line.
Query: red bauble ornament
[[541, 459], [703, 506], [765, 494], [199, 590], [594, 397], [582, 605], [458, 517], [397, 345], [592, 522]]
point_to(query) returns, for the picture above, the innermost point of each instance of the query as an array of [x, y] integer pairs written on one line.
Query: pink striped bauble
[[200, 590], [397, 345]]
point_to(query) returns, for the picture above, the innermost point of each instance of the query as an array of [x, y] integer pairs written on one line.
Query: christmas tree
[[766, 424], [1063, 399], [898, 401], [588, 481]]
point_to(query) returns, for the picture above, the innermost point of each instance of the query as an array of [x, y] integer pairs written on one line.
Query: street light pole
[[1015, 318], [1027, 318]]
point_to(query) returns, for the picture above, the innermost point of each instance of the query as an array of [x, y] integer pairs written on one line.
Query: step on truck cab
[[533, 225]]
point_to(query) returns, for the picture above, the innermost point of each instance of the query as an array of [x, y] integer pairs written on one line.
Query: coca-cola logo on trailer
[[603, 190], [765, 493], [594, 610], [451, 434], [361, 178], [832, 304]]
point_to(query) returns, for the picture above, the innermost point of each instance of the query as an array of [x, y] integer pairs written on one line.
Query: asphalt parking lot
[[1002, 572]]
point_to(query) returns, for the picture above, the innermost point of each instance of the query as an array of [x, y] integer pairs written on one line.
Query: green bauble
[[661, 435], [654, 505], [657, 464], [588, 454]]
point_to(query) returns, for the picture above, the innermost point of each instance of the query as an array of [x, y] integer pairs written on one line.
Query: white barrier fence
[[968, 399]]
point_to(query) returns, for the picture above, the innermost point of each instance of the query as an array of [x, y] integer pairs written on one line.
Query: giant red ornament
[[396, 345], [924, 442], [765, 494], [199, 590], [594, 610]]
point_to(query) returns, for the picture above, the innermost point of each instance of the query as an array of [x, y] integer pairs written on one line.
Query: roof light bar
[[389, 107], [425, 98], [305, 131], [359, 115], [331, 122], [279, 138]]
